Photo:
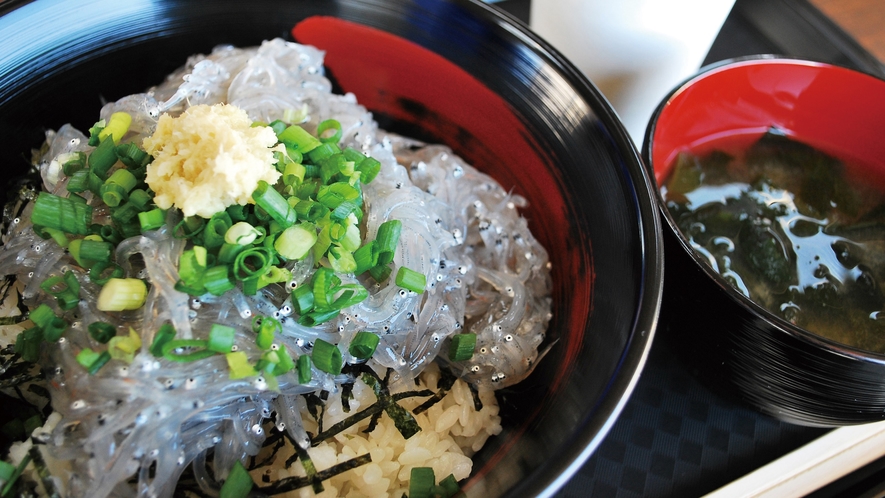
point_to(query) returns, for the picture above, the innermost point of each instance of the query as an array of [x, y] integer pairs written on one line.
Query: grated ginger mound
[[209, 158]]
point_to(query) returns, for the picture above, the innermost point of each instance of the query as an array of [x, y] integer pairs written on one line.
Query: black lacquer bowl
[[781, 369], [453, 71]]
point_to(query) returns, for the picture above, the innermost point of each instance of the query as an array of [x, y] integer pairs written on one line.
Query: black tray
[[676, 436]]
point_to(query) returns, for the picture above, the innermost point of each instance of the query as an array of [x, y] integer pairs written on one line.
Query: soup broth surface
[[793, 229]]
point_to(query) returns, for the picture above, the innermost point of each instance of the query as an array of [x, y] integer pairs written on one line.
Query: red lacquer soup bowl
[[774, 365]]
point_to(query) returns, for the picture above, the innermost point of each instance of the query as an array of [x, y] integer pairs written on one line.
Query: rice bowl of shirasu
[[135, 423]]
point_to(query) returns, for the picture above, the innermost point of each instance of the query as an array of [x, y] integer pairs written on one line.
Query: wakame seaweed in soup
[[793, 229]]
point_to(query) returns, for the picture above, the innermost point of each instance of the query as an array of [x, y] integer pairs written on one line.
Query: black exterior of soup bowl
[[590, 197], [732, 343]]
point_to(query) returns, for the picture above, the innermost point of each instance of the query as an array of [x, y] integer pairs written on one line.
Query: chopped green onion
[[102, 159], [117, 126], [353, 155], [285, 363], [72, 162], [58, 236], [324, 282], [237, 212], [302, 299], [221, 338], [363, 345], [116, 188], [182, 286], [294, 172], [327, 357], [348, 295], [113, 194], [216, 227], [274, 204], [315, 318], [130, 227], [302, 365], [380, 272], [186, 350], [323, 151], [365, 258], [140, 199], [296, 241], [269, 326], [93, 251], [421, 481], [341, 260], [61, 213], [238, 483], [274, 275], [241, 233], [386, 240], [252, 262], [239, 365], [462, 346], [91, 360], [100, 275], [124, 347], [28, 344], [79, 181], [165, 334], [217, 280], [192, 264], [132, 156], [324, 241], [344, 210], [189, 227], [278, 125], [333, 166], [121, 294], [228, 253], [126, 212], [298, 138], [53, 330], [151, 220], [329, 124], [41, 315], [95, 130], [309, 210], [101, 331], [337, 232], [369, 169], [333, 195], [65, 288], [409, 279], [110, 234]]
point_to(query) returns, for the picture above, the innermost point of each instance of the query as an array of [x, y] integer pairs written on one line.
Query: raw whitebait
[[486, 274]]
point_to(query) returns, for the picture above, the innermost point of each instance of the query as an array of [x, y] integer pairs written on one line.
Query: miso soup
[[792, 228]]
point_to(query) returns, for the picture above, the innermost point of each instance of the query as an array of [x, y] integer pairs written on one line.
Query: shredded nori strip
[[446, 381], [346, 396], [12, 320], [292, 483], [276, 439], [402, 419], [316, 408], [310, 468], [477, 403]]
